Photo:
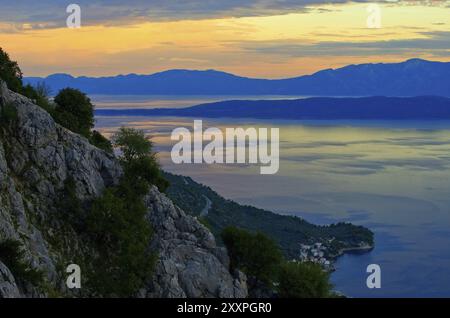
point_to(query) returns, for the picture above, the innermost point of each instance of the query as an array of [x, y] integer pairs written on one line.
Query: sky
[[253, 38]]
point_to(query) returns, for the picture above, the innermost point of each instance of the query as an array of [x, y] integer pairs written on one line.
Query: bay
[[391, 176]]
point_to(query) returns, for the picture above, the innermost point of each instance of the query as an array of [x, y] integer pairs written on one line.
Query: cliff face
[[37, 156]]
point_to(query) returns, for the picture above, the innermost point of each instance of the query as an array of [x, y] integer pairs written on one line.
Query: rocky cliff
[[37, 156]]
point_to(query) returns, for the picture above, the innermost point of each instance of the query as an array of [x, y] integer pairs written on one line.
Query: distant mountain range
[[423, 107], [414, 77]]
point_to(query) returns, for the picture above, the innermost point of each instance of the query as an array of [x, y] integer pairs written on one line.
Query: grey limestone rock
[[37, 156]]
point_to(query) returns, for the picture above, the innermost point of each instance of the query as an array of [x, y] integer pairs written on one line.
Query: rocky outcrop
[[8, 286], [190, 264], [37, 156]]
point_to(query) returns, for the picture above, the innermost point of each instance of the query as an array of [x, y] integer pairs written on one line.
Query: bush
[[255, 254], [203, 221], [12, 255], [98, 140], [303, 280], [39, 94], [132, 143], [43, 90], [69, 205], [146, 170], [117, 224], [139, 161], [10, 72], [260, 258], [74, 111], [115, 229]]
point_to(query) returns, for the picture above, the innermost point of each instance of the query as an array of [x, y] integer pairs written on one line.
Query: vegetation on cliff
[[138, 159], [303, 280], [74, 111], [114, 225], [12, 255], [70, 108], [259, 257], [255, 254]]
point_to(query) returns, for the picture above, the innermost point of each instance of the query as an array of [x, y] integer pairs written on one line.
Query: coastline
[[357, 250]]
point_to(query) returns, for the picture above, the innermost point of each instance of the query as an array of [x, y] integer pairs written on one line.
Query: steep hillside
[[37, 158], [288, 231]]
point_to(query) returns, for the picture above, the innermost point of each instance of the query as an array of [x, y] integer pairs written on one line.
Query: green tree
[[132, 143], [303, 280], [10, 72], [117, 223], [71, 204], [138, 159], [118, 226], [74, 111], [255, 254]]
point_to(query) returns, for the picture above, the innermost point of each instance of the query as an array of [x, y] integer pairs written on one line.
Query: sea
[[390, 176]]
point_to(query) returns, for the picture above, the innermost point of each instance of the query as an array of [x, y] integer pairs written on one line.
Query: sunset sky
[[255, 38]]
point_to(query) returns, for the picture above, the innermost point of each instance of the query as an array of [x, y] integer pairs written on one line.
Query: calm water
[[393, 177], [164, 101]]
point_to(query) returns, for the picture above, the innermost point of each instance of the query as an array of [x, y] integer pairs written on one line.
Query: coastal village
[[316, 253], [326, 252]]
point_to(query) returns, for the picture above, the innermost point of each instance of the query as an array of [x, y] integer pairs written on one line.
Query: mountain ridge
[[413, 77]]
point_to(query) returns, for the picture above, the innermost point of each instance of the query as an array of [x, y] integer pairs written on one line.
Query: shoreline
[[357, 250]]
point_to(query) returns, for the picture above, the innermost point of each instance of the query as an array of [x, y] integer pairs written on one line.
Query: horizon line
[[228, 73]]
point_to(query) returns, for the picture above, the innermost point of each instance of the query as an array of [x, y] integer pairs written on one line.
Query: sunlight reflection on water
[[393, 177]]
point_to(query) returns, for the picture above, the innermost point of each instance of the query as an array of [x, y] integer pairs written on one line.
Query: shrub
[[255, 254], [10, 72], [43, 90], [12, 255], [303, 280], [132, 143], [74, 111], [69, 205], [98, 140], [260, 258], [203, 221], [39, 94], [115, 229], [117, 224], [29, 92], [139, 161], [146, 170]]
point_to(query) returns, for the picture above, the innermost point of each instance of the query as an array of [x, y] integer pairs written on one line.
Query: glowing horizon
[[273, 45]]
